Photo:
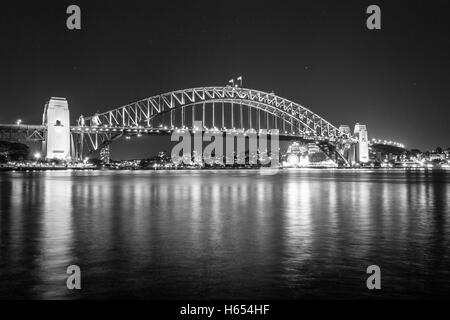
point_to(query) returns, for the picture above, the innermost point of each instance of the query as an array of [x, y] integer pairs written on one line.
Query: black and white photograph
[[224, 156]]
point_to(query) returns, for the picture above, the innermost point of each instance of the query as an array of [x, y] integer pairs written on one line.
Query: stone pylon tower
[[362, 145], [56, 119]]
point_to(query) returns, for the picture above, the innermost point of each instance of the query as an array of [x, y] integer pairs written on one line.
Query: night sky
[[317, 53]]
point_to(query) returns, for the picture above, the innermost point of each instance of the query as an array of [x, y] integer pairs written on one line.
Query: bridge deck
[[19, 127]]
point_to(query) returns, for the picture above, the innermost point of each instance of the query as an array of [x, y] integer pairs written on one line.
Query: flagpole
[[240, 105], [232, 105]]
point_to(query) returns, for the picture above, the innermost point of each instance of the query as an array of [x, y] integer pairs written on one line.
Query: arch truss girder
[[89, 142], [142, 112], [22, 133]]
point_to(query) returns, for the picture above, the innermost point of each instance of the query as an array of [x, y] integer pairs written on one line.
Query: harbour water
[[226, 234]]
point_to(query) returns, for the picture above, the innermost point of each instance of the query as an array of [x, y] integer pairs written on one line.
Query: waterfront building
[[105, 155]]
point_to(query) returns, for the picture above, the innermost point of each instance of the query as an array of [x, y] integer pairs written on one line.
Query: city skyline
[[333, 65]]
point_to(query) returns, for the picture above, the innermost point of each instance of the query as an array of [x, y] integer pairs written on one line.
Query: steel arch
[[143, 111]]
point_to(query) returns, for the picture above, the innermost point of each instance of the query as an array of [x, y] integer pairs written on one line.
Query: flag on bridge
[[240, 81]]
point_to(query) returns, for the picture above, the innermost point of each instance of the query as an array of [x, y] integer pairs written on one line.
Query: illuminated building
[[293, 155], [105, 155], [297, 155], [313, 148]]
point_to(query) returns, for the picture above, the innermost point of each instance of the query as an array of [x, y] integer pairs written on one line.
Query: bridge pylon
[[56, 119]]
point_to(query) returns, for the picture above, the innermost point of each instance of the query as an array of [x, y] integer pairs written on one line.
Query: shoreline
[[39, 169]]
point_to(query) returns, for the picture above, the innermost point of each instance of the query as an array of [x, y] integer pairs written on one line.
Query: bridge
[[221, 108]]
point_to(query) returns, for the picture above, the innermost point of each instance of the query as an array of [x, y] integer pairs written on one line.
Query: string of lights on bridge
[[139, 130], [387, 142]]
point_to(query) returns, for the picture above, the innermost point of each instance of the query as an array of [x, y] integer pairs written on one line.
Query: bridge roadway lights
[[139, 131]]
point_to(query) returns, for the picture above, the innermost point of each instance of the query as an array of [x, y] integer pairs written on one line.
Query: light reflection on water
[[224, 234]]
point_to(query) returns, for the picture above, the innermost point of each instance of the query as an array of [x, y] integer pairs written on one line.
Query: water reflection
[[224, 234]]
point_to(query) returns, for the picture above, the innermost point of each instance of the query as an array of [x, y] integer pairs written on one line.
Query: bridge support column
[[203, 116], [213, 115], [232, 115], [242, 116], [223, 117]]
